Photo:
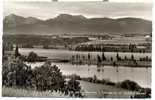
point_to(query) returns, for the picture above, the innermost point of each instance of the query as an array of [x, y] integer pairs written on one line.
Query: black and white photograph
[[77, 49]]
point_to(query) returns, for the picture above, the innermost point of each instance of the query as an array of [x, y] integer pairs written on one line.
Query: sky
[[45, 10], [90, 0]]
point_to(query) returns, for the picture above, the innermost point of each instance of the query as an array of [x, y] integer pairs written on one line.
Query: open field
[[121, 41]]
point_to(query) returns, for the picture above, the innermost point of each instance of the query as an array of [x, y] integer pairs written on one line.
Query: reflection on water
[[140, 75]]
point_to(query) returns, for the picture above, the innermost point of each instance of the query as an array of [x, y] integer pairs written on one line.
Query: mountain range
[[75, 24]]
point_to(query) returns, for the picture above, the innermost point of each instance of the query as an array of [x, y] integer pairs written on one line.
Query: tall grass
[[14, 92]]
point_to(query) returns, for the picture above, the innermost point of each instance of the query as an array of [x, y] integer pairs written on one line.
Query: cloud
[[45, 10]]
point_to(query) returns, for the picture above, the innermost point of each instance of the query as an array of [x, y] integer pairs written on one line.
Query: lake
[[140, 75], [66, 54]]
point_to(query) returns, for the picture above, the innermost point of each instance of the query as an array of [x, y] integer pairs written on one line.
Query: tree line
[[80, 59], [110, 48]]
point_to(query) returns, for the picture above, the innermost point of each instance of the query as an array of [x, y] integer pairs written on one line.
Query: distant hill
[[13, 20], [65, 23]]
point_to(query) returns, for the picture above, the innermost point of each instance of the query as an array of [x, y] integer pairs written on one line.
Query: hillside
[[64, 23]]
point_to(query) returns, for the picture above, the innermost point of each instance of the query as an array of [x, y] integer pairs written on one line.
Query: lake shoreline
[[74, 57], [140, 74]]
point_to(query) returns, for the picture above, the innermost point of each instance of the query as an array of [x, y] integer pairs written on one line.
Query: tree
[[117, 57], [147, 58], [114, 64], [103, 57], [73, 58], [83, 57], [17, 74], [32, 57], [16, 52], [99, 59], [74, 88], [125, 58], [132, 57], [111, 58], [131, 85], [95, 79], [48, 77], [88, 56], [77, 57]]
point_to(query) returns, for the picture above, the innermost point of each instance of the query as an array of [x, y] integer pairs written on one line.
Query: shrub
[[74, 88], [32, 57], [42, 78], [130, 85], [110, 83], [107, 82], [48, 77], [16, 74]]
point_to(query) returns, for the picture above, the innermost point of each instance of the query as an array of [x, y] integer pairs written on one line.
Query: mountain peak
[[64, 15], [70, 17], [13, 20], [32, 20], [13, 16]]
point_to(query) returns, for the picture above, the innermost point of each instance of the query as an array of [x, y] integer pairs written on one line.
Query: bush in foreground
[[16, 74], [45, 78], [48, 77], [74, 88]]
